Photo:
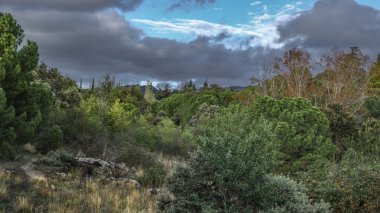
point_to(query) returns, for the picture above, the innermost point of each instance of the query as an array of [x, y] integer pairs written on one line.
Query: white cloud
[[195, 27], [260, 31], [256, 3]]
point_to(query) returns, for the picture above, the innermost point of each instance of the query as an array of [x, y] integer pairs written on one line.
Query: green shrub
[[230, 172], [7, 151], [351, 185], [344, 128], [135, 156], [154, 175], [372, 104], [300, 128], [172, 139], [288, 196], [81, 131], [51, 139]]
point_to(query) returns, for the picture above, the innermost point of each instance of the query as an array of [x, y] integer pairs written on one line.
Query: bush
[[81, 131], [288, 196], [51, 139], [230, 170], [344, 128], [351, 185], [154, 172], [373, 105], [172, 139], [7, 152], [301, 130]]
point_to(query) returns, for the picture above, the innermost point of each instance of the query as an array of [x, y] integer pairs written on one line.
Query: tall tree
[[23, 92], [294, 70], [345, 79]]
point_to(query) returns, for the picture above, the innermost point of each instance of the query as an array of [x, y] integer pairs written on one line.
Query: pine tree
[[30, 99], [93, 84]]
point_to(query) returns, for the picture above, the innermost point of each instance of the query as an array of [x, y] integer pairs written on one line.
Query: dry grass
[[4, 178], [24, 205], [68, 196], [109, 197], [170, 163]]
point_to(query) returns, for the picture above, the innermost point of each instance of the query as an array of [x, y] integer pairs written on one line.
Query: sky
[[219, 41]]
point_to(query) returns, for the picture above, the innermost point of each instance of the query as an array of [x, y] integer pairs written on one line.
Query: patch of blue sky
[[154, 18]]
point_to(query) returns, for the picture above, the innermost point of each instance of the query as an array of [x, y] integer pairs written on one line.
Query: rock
[[157, 191], [102, 168], [29, 148], [126, 182], [61, 175]]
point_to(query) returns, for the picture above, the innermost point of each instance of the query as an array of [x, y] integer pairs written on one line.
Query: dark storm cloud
[[71, 5], [90, 44], [84, 39], [341, 23], [187, 3]]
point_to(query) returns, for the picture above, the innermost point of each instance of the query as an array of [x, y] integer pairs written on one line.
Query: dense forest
[[293, 141]]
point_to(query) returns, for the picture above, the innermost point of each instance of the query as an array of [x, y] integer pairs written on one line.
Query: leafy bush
[[7, 151], [373, 106], [230, 170], [289, 196], [51, 139], [344, 128], [351, 185], [154, 173], [81, 131], [172, 139], [301, 129]]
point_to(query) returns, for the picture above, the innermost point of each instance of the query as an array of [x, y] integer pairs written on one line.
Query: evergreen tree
[[23, 93], [93, 84]]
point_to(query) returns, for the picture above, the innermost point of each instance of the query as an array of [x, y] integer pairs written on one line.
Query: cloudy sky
[[221, 41]]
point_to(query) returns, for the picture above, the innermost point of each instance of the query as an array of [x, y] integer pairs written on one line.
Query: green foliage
[[351, 185], [292, 197], [64, 89], [301, 130], [81, 131], [172, 139], [202, 116], [369, 138], [344, 128], [375, 75], [27, 100], [7, 115], [7, 151], [185, 105], [121, 115], [165, 137], [138, 157], [170, 104], [373, 106], [51, 139], [229, 172]]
